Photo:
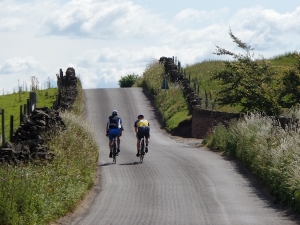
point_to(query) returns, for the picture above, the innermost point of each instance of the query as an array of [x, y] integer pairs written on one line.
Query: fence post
[[21, 114], [3, 127], [61, 75], [28, 106], [11, 128], [33, 99], [25, 110]]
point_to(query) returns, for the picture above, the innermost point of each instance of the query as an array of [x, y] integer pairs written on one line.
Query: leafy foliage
[[247, 82], [290, 93], [128, 81]]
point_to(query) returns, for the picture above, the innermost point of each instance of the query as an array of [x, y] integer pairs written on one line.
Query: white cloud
[[264, 28], [10, 24], [104, 40], [193, 15], [102, 19], [17, 64], [15, 71]]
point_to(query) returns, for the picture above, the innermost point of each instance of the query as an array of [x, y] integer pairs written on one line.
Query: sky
[[104, 40]]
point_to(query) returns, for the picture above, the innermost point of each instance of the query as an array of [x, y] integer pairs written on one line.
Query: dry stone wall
[[203, 121], [173, 72], [29, 139]]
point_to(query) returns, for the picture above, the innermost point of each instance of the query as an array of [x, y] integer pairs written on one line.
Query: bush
[[247, 82], [128, 81]]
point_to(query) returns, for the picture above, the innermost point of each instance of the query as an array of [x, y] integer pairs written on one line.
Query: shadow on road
[[263, 191], [128, 164], [107, 164]]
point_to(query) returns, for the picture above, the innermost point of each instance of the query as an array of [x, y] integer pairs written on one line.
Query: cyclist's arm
[[107, 126], [122, 128], [135, 127]]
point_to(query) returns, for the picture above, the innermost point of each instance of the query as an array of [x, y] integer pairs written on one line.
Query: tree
[[247, 82], [290, 92], [128, 81]]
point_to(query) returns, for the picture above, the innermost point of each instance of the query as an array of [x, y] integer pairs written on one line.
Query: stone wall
[[203, 121], [29, 139], [173, 72]]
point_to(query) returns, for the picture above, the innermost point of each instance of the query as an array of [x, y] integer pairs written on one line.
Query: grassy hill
[[11, 104], [270, 152], [172, 105], [202, 72]]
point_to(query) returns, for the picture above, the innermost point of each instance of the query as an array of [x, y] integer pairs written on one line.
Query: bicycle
[[142, 151], [114, 149]]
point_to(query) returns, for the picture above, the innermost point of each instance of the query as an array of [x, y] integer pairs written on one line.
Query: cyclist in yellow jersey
[[142, 128]]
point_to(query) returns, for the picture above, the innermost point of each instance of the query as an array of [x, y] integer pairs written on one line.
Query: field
[[11, 104]]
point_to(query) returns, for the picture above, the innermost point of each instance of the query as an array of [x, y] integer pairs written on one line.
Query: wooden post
[[21, 114], [3, 127], [11, 128], [61, 75], [33, 99], [25, 110]]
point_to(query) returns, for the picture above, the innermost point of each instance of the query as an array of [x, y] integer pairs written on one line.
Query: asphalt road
[[176, 184]]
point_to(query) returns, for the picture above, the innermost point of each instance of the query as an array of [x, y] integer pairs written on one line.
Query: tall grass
[[271, 152], [41, 192]]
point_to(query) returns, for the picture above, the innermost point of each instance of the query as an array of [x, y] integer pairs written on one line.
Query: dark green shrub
[[128, 81]]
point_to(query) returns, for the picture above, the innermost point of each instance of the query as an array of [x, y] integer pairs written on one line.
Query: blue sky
[[104, 40]]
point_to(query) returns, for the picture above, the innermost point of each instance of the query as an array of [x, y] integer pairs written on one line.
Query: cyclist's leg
[[118, 139], [147, 135], [138, 142], [110, 137]]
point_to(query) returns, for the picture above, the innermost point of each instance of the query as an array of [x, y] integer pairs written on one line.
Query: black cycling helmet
[[114, 113], [141, 116]]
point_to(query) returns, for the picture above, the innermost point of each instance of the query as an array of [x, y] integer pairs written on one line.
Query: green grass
[[41, 192], [202, 72], [11, 104], [170, 103], [271, 153]]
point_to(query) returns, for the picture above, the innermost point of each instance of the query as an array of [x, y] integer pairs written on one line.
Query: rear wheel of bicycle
[[114, 153], [114, 159], [142, 151]]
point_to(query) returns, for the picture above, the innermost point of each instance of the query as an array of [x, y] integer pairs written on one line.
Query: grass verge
[[271, 152], [40, 192]]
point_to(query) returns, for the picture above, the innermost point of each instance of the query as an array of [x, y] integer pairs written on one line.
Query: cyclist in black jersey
[[114, 125], [142, 129]]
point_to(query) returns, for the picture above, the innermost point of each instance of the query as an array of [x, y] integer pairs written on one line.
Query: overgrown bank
[[41, 191], [270, 151]]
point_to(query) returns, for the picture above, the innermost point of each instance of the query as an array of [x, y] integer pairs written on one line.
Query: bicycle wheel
[[142, 154], [114, 152]]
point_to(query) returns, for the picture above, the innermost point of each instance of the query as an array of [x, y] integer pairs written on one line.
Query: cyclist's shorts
[[111, 133], [143, 131]]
